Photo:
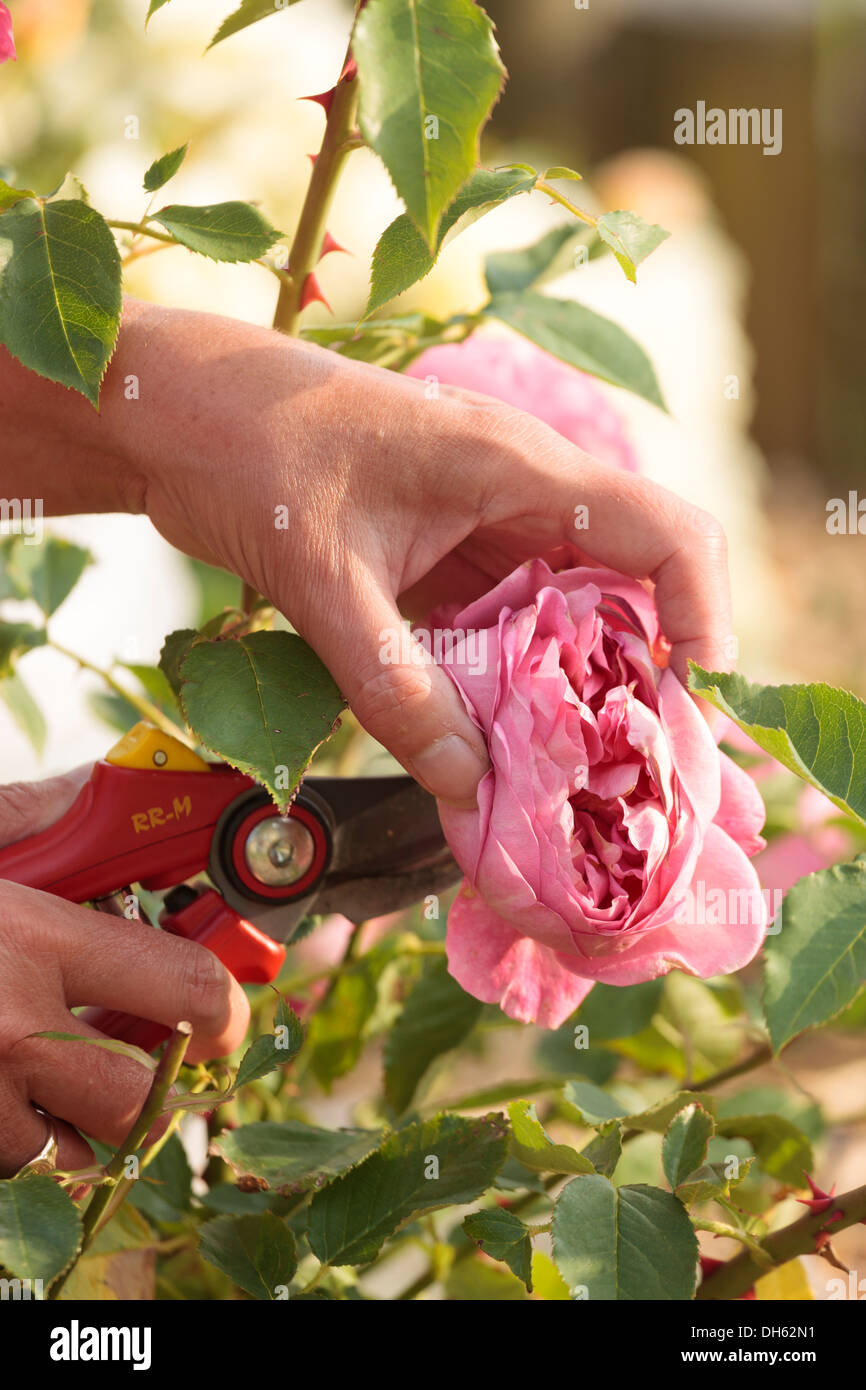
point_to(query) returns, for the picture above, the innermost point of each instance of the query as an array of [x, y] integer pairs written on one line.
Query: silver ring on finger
[[46, 1159]]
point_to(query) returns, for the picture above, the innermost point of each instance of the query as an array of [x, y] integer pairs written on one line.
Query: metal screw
[[279, 851], [160, 757]]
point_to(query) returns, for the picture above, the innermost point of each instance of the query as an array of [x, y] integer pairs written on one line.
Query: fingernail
[[450, 769]]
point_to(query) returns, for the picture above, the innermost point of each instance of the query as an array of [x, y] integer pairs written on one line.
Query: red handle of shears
[[149, 824]]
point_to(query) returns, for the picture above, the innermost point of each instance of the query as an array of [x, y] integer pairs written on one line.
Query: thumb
[[409, 705], [26, 808]]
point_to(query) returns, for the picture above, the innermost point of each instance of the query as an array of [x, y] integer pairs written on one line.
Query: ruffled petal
[[492, 961], [741, 811]]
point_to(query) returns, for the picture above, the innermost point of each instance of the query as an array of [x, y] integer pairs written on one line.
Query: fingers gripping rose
[[608, 816]]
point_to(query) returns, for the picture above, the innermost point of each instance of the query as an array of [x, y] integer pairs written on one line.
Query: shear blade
[[387, 852]]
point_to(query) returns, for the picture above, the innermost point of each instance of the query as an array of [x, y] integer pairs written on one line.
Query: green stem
[[146, 708], [163, 1079], [338, 142], [735, 1277], [762, 1054], [141, 229], [560, 198], [721, 1228]]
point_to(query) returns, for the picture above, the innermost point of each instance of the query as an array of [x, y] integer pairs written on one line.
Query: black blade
[[388, 851]]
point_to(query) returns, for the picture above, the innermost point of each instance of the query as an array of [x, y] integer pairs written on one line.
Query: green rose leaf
[[532, 1147], [40, 1228], [223, 231], [164, 1190], [122, 1049], [164, 168], [437, 1016], [630, 238], [476, 1281], [291, 1156], [257, 1253], [10, 196], [816, 965], [336, 1035], [561, 171], [782, 1150], [60, 298], [402, 257], [685, 1144], [503, 1236], [817, 731], [605, 1150], [24, 710], [48, 572], [581, 338], [429, 73], [609, 1012], [632, 1243], [590, 1105], [250, 12], [263, 703], [711, 1183], [174, 649], [446, 1161], [511, 272], [156, 685], [154, 6], [15, 639], [273, 1050]]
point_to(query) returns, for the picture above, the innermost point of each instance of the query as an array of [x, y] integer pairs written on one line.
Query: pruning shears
[[156, 814]]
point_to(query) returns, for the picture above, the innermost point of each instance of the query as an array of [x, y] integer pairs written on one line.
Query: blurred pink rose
[[515, 371], [611, 836], [7, 41]]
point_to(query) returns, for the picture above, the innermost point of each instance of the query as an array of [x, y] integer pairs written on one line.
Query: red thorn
[[822, 1237], [820, 1200], [324, 99], [329, 245], [312, 158], [311, 292]]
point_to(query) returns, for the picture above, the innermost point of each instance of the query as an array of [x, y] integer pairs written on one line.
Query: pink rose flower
[[517, 372], [611, 838], [7, 41]]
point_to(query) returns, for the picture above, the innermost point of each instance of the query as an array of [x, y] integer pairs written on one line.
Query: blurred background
[[754, 311]]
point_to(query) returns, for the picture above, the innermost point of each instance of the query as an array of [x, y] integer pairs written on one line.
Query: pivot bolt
[[279, 851]]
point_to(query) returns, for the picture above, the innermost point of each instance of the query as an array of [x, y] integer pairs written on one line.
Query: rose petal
[[494, 963], [741, 810]]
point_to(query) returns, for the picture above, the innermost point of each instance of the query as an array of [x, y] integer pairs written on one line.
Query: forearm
[[164, 401]]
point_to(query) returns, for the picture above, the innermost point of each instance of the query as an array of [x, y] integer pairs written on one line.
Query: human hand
[[387, 495], [55, 955], [390, 495]]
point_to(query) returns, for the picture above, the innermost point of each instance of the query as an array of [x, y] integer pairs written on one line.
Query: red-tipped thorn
[[820, 1200], [324, 99], [312, 292], [329, 245]]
